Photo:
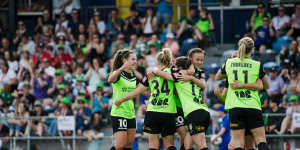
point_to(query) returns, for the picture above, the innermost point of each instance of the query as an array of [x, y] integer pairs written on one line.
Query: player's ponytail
[[246, 45], [183, 62], [164, 57], [117, 61]]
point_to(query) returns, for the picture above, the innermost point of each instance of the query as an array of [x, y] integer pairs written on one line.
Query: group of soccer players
[[176, 103]]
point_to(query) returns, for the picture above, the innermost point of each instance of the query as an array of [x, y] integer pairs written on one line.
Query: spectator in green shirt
[[187, 22], [258, 15]]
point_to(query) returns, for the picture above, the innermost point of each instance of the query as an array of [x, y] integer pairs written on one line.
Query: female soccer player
[[161, 109], [123, 81], [244, 104], [196, 55], [190, 89]]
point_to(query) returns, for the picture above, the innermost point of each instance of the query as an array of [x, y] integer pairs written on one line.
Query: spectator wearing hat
[[61, 57], [83, 116], [61, 92], [276, 83], [79, 86], [151, 58], [100, 102], [273, 123], [173, 45], [286, 125], [224, 131], [59, 80], [63, 109], [62, 40], [37, 125], [40, 54]]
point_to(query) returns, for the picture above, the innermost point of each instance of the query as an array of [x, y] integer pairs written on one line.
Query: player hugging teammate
[[176, 100]]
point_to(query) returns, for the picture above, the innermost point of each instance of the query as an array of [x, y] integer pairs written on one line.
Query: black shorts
[[180, 120], [159, 123], [245, 118], [198, 121], [122, 124], [248, 132]]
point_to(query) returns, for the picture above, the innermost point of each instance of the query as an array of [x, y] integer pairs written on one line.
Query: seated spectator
[[281, 21], [37, 125], [96, 74], [114, 24], [151, 58], [173, 45], [149, 23], [61, 57], [45, 20], [289, 58], [25, 61], [274, 122], [276, 83], [187, 22], [204, 25], [12, 62], [100, 102], [40, 54], [99, 22], [26, 44], [83, 116], [265, 34], [295, 26], [257, 16], [62, 110], [4, 112], [41, 84], [30, 98], [211, 84], [6, 95], [118, 44], [164, 12], [7, 76], [18, 125], [62, 40], [61, 23], [22, 30], [74, 23], [79, 86], [95, 48], [132, 23], [136, 45], [286, 125], [94, 137], [5, 46]]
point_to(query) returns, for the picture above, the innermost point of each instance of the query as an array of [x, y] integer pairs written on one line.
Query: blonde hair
[[246, 45], [165, 56]]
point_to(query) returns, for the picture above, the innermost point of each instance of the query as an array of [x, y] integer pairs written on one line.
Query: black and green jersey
[[247, 71], [162, 97], [190, 95], [126, 83]]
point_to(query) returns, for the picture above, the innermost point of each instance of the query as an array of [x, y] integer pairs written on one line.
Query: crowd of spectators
[[60, 68]]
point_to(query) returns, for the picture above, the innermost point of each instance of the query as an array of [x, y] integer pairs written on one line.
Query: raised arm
[[140, 89], [113, 77]]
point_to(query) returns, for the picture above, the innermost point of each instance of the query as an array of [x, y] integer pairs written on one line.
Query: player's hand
[[151, 73], [118, 102], [236, 85], [185, 78], [125, 65]]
